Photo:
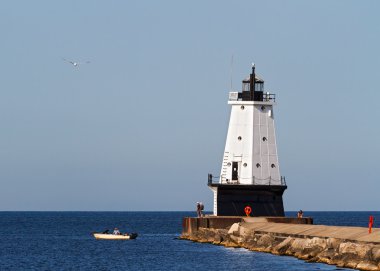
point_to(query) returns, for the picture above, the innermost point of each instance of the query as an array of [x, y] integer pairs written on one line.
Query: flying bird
[[75, 63]]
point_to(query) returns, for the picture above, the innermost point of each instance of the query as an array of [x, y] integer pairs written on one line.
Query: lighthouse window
[[264, 138], [242, 107], [239, 138], [245, 164], [262, 108], [273, 166], [229, 164], [258, 165]]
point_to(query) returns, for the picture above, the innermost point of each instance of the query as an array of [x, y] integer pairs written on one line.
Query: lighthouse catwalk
[[250, 172]]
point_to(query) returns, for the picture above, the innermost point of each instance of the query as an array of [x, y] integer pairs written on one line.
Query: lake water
[[63, 241]]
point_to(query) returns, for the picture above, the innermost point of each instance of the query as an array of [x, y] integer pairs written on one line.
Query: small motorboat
[[110, 236]]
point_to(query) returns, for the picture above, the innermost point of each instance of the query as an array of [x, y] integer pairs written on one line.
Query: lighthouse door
[[235, 171]]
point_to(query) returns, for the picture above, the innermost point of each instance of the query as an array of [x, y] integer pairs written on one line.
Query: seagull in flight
[[75, 63]]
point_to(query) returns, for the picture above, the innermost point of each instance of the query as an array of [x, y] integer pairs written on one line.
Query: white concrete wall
[[251, 123]]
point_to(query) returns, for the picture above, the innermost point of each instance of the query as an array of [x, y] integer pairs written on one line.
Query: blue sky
[[140, 126]]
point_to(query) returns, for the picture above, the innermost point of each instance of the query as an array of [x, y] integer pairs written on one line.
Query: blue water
[[63, 241]]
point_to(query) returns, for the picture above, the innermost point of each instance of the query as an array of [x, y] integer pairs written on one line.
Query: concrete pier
[[192, 224], [351, 247], [355, 234]]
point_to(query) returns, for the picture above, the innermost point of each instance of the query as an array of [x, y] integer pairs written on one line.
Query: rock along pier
[[351, 247]]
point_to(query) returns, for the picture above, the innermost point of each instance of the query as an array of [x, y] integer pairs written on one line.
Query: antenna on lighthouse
[[231, 70], [252, 82]]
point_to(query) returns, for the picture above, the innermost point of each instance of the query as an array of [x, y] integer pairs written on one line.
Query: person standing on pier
[[300, 214], [202, 208], [199, 213]]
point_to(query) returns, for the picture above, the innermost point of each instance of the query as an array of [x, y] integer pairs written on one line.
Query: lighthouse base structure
[[264, 200]]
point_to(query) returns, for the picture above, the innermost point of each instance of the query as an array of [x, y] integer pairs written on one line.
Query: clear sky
[[140, 126]]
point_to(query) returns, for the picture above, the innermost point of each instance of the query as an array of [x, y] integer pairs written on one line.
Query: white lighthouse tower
[[250, 172]]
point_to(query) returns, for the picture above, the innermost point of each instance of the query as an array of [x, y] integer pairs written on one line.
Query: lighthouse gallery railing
[[255, 181]]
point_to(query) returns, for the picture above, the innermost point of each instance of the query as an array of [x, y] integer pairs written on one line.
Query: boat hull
[[104, 236]]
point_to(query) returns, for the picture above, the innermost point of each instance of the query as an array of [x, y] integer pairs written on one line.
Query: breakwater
[[351, 247]]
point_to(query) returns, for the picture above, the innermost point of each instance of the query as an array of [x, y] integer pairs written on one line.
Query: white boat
[[109, 236]]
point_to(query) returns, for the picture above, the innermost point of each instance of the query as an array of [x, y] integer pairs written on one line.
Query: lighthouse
[[250, 171]]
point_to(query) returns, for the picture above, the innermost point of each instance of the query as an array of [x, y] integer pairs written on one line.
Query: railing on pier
[[254, 181]]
